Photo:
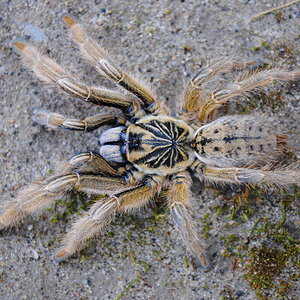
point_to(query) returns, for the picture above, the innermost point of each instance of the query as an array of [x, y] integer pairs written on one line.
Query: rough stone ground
[[166, 42]]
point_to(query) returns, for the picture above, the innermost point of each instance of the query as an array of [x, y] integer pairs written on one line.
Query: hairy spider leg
[[58, 121], [241, 87], [100, 215], [47, 70], [240, 176], [100, 58], [87, 172], [194, 94], [179, 197]]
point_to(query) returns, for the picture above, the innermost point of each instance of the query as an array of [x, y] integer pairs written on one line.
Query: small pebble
[[167, 260], [35, 255]]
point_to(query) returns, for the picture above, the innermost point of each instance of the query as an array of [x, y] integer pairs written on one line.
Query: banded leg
[[52, 73], [99, 58], [87, 172], [87, 162], [100, 215], [57, 121], [248, 176], [179, 197], [241, 87], [194, 92]]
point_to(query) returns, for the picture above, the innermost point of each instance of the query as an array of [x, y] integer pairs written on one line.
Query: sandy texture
[[164, 42]]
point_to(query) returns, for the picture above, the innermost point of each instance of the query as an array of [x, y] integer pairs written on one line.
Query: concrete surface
[[165, 42]]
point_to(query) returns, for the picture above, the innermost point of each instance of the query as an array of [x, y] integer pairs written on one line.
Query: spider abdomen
[[236, 141], [159, 145]]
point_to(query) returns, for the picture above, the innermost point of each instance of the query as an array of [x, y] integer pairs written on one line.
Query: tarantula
[[147, 151]]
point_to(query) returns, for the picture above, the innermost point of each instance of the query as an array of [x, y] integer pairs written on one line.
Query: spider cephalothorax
[[154, 145], [146, 150]]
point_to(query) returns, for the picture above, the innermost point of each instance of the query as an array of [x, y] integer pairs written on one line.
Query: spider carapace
[[153, 145], [147, 150]]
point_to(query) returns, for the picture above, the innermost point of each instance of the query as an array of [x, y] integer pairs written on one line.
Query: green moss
[[265, 264], [145, 265], [285, 50], [180, 282], [227, 294], [206, 225], [187, 48], [238, 208], [230, 239], [75, 203], [186, 262], [272, 266], [219, 210], [278, 16], [2, 274], [137, 21], [265, 44], [231, 244], [149, 30], [167, 12], [126, 289], [233, 212]]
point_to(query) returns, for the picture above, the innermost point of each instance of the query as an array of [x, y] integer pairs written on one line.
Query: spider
[[147, 151]]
